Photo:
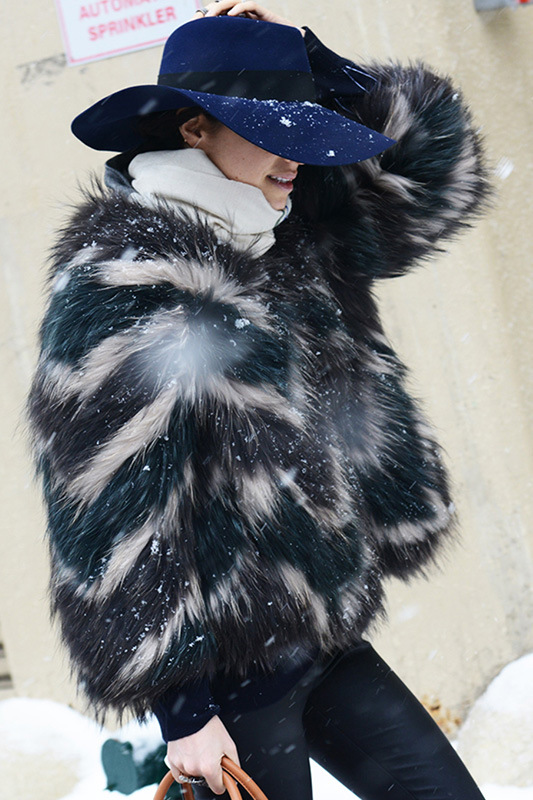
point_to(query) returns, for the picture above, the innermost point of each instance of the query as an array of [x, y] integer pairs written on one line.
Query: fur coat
[[230, 459]]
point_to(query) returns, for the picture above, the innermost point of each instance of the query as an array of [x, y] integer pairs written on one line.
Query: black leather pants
[[360, 722]]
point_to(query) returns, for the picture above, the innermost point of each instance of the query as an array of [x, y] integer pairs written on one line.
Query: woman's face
[[241, 160]]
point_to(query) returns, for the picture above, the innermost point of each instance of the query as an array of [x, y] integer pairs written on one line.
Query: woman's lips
[[283, 181]]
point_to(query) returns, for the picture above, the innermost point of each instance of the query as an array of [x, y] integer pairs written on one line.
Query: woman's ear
[[193, 131]]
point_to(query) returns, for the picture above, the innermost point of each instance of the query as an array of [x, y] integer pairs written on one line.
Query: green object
[[119, 766], [125, 775]]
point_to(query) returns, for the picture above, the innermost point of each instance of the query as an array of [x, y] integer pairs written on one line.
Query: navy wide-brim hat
[[254, 77]]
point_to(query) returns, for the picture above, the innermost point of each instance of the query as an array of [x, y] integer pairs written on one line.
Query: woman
[[231, 462]]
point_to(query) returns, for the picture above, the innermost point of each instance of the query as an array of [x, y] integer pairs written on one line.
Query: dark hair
[[161, 129]]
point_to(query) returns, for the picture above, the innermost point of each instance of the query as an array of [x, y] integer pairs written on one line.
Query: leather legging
[[360, 722]]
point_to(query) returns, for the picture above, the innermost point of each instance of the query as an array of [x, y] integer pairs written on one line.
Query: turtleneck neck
[[237, 212]]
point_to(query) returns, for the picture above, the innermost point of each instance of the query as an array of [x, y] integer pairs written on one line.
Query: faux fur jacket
[[230, 459]]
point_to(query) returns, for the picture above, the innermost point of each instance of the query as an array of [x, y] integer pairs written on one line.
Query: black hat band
[[281, 85]]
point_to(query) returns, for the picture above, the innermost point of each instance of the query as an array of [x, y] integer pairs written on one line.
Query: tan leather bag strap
[[231, 775]]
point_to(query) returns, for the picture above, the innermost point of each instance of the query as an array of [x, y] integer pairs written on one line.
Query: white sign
[[95, 29]]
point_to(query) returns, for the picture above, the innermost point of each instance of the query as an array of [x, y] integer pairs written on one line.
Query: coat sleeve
[[146, 363], [184, 710], [380, 216]]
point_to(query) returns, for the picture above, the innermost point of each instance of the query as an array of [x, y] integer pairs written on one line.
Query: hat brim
[[300, 131]]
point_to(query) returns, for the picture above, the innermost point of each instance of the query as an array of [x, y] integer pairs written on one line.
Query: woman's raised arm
[[380, 216], [434, 181]]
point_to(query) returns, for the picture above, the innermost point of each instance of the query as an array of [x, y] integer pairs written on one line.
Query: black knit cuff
[[184, 710]]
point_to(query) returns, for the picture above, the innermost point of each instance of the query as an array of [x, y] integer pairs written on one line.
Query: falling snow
[[148, 107], [61, 282], [504, 168]]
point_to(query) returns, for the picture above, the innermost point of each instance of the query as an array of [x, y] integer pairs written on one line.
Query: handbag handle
[[231, 775]]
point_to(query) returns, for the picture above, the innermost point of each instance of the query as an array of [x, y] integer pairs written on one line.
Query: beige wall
[[463, 324]]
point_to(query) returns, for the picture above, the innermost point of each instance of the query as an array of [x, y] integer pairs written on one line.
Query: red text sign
[[95, 29]]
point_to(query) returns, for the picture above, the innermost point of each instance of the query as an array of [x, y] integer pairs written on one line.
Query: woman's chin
[[279, 202], [278, 193]]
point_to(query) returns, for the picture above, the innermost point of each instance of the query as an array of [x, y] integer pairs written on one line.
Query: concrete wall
[[463, 324]]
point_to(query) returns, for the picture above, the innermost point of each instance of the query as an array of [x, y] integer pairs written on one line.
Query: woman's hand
[[248, 8], [200, 754]]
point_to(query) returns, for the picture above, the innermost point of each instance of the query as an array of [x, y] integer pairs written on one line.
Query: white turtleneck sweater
[[236, 211]]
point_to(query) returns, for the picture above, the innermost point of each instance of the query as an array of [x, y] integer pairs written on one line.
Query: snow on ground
[[492, 792], [496, 740], [52, 752]]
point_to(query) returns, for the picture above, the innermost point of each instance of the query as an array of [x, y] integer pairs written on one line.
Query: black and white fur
[[230, 459]]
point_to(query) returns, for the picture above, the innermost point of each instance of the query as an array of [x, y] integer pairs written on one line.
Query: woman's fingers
[[231, 752], [200, 754], [251, 9], [215, 9], [213, 776], [192, 767], [236, 7]]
